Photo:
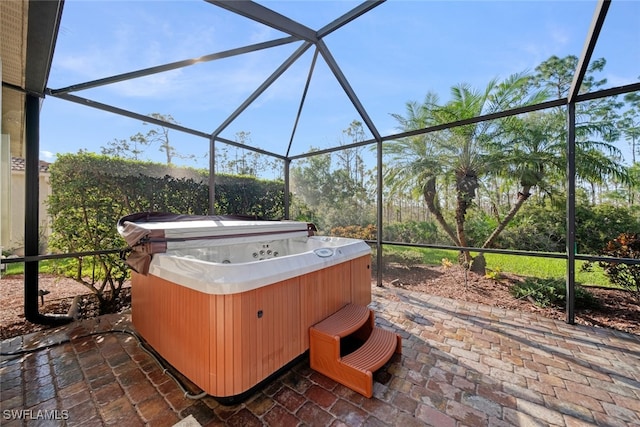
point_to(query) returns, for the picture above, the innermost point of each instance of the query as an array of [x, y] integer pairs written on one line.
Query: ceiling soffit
[[13, 51], [28, 37], [13, 18]]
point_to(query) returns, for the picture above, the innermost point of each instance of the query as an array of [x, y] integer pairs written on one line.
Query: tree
[[160, 136], [336, 190], [598, 160], [246, 162], [123, 149], [634, 184], [630, 123], [84, 218], [351, 158], [535, 153], [529, 153], [528, 150], [325, 190], [418, 162], [138, 143]]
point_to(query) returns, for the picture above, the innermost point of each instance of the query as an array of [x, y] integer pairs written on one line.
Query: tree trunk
[[479, 265], [461, 211], [429, 193], [522, 197], [466, 186]]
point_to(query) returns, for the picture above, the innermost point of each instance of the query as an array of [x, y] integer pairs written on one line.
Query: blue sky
[[393, 54]]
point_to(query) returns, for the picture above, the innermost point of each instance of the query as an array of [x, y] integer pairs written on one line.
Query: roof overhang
[[28, 37]]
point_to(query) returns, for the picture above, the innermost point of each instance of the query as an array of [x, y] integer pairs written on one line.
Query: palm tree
[[418, 162], [534, 149], [530, 148], [529, 152]]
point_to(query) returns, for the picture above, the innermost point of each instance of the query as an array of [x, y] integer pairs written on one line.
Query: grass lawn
[[516, 264], [13, 268], [546, 268], [51, 266]]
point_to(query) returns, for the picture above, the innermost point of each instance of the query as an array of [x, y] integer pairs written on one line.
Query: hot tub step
[[375, 352], [345, 321], [355, 369]]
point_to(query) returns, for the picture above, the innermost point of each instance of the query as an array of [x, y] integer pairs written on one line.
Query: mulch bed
[[619, 309]]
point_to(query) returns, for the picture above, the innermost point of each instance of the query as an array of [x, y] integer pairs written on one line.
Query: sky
[[393, 54]]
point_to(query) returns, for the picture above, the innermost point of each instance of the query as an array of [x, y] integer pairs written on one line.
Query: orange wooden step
[[354, 370], [345, 321], [375, 352]]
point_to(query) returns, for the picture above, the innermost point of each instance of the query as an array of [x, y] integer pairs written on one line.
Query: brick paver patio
[[463, 364]]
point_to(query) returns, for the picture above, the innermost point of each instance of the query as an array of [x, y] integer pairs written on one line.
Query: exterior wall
[[5, 192], [13, 234]]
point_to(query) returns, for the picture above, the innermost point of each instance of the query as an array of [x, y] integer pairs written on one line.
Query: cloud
[[146, 39], [47, 156], [614, 79], [559, 36], [153, 86]]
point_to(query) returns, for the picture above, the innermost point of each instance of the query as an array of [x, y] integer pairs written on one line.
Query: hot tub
[[229, 302]]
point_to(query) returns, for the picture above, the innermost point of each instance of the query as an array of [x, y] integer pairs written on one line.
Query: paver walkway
[[463, 364]]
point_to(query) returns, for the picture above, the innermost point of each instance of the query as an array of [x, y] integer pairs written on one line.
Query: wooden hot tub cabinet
[[227, 344]]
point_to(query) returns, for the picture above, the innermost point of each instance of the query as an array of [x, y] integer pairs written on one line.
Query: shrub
[[478, 227], [536, 228], [412, 232], [626, 245], [355, 232], [552, 292], [494, 274], [596, 226], [90, 193], [542, 227]]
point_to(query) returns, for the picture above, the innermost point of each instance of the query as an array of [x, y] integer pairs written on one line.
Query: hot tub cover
[[147, 233]]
